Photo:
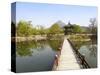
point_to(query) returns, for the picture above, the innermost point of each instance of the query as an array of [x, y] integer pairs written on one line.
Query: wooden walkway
[[67, 59]]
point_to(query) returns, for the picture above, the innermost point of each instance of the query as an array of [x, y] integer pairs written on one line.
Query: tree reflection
[[93, 50], [78, 44], [27, 48], [24, 49], [89, 44], [55, 44]]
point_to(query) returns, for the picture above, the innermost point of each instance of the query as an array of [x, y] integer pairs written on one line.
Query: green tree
[[55, 29], [42, 30], [76, 29], [34, 31], [24, 28]]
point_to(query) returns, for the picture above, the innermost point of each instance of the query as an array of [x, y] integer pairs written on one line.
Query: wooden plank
[[67, 59]]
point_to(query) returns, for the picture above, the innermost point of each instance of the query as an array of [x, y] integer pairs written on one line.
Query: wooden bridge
[[69, 58]]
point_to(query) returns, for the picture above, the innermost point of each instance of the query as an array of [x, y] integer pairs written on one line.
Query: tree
[[42, 30], [24, 28], [35, 31], [55, 29], [93, 28], [76, 29]]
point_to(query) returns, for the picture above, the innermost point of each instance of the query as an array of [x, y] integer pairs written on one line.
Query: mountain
[[60, 23]]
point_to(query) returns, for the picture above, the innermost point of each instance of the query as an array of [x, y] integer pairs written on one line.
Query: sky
[[47, 14]]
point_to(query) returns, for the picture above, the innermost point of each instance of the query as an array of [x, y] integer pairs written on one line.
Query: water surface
[[36, 55], [89, 50]]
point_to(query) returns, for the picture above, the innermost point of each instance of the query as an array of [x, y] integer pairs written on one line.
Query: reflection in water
[[24, 49], [36, 55], [89, 50], [55, 44], [28, 47], [93, 50]]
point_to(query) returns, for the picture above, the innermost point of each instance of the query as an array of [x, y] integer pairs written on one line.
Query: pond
[[89, 50], [32, 56]]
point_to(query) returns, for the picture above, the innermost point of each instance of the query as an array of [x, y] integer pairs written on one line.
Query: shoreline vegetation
[[36, 38], [44, 37], [25, 31], [20, 39], [72, 37]]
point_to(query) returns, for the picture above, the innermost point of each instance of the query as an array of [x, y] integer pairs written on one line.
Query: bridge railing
[[81, 57]]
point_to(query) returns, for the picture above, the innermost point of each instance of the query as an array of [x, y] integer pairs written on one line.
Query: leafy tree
[[55, 29], [34, 31], [24, 28], [42, 30], [76, 29]]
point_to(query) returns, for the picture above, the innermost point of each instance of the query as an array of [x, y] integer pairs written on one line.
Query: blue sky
[[47, 14]]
